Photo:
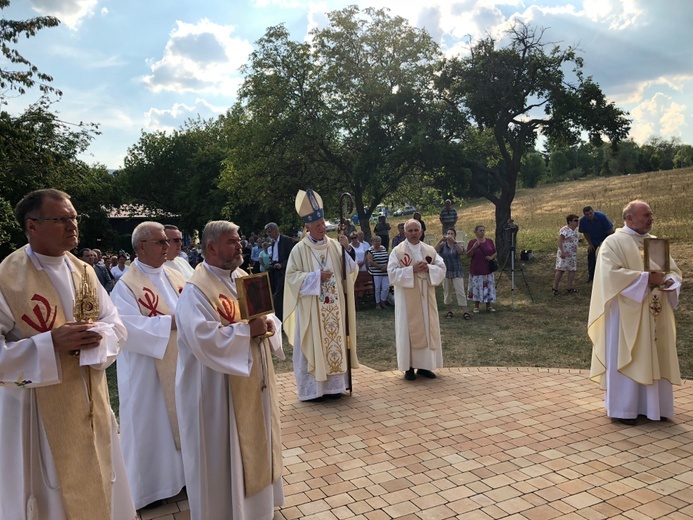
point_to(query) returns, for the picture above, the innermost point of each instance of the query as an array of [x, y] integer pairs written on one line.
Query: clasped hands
[[420, 267]]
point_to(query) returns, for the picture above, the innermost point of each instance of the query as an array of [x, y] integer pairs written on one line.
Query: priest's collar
[[414, 247], [317, 242], [40, 260], [634, 233], [221, 273], [148, 269]]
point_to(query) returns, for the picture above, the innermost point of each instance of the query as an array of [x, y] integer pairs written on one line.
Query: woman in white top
[[119, 270]]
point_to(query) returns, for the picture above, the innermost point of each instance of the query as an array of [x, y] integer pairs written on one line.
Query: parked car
[[332, 225], [406, 210]]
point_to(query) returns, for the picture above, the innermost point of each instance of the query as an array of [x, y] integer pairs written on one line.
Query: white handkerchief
[[99, 355]]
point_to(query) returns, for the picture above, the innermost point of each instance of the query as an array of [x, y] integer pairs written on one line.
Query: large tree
[[178, 172], [351, 110], [510, 94]]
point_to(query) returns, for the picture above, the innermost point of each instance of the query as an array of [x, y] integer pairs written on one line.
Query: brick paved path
[[477, 443]]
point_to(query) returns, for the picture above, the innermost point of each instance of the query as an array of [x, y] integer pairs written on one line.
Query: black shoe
[[155, 504], [426, 373], [627, 422], [319, 399], [409, 375], [332, 396]]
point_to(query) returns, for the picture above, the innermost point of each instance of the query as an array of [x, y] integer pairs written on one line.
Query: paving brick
[[517, 443]]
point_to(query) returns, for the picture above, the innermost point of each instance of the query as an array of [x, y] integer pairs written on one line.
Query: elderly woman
[[566, 256], [452, 252], [376, 260], [482, 284]]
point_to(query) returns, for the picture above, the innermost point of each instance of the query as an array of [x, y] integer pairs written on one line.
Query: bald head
[[412, 230]]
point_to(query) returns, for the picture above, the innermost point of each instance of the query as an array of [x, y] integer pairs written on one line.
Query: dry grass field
[[543, 330]]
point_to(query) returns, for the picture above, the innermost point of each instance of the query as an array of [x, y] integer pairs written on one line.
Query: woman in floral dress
[[482, 284], [566, 256]]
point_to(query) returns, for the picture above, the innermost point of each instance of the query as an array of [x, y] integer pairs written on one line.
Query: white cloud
[[659, 115], [69, 12], [619, 14], [202, 57], [173, 118]]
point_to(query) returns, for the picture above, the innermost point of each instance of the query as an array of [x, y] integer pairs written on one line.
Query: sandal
[[573, 291], [476, 310], [467, 316], [448, 315], [490, 309], [555, 291]]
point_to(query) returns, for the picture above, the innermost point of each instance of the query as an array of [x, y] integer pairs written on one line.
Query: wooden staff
[[344, 200]]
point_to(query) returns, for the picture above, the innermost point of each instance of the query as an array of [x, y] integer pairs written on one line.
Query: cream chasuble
[[246, 392], [151, 303], [322, 334], [647, 329], [417, 327], [80, 444]]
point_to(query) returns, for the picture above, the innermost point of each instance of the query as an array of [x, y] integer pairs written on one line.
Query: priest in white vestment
[[60, 461], [225, 391], [415, 269], [173, 258], [315, 306], [146, 297], [631, 324]]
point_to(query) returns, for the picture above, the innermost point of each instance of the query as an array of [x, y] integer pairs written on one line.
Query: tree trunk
[[504, 231]]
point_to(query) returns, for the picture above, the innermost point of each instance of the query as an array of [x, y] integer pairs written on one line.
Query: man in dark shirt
[[596, 226]]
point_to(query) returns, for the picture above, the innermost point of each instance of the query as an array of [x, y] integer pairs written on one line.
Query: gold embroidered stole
[[246, 392], [151, 304], [82, 456], [414, 298]]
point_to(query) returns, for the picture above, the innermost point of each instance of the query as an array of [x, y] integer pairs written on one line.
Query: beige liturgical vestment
[[322, 334], [647, 330], [79, 438], [151, 303], [246, 392]]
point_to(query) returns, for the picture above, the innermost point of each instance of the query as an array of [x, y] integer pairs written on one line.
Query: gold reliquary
[[86, 301]]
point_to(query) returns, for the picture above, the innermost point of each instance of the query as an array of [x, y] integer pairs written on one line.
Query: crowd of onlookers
[[372, 258]]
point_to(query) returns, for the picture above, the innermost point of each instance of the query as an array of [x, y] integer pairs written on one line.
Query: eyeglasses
[[575, 220], [60, 220], [161, 242]]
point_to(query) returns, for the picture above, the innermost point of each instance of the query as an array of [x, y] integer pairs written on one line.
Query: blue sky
[[146, 65]]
